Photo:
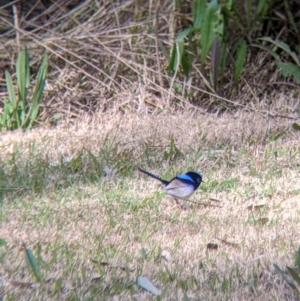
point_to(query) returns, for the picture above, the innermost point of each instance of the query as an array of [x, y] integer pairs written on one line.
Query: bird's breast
[[181, 190]]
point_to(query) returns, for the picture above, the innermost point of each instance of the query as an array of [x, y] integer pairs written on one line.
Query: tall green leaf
[[223, 58], [180, 45], [177, 57], [208, 29], [23, 75], [199, 7], [38, 91], [240, 60], [187, 57], [215, 60], [173, 62]]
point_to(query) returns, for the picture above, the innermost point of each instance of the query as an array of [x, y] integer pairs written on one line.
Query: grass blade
[[291, 16], [284, 47], [262, 8], [40, 81], [208, 29], [294, 275], [186, 64], [13, 108], [298, 253], [248, 11], [32, 264], [215, 60], [23, 75], [287, 279], [96, 164], [240, 60], [173, 62], [273, 53]]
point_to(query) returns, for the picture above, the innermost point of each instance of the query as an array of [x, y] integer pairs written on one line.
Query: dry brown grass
[[112, 221], [105, 56], [191, 129]]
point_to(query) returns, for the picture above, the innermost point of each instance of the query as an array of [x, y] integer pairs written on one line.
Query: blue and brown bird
[[180, 187]]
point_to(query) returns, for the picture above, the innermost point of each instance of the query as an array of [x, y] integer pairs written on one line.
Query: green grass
[[92, 234]]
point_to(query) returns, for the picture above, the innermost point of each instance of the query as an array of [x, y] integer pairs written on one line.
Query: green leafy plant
[[209, 24], [22, 110], [174, 152], [205, 22], [287, 69], [222, 34]]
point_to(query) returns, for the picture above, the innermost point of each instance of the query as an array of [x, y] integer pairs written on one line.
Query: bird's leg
[[178, 203]]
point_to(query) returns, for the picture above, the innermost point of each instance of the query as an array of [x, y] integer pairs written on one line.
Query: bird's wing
[[180, 188], [185, 177]]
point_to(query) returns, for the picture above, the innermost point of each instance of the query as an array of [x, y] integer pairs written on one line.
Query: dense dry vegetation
[[104, 56]]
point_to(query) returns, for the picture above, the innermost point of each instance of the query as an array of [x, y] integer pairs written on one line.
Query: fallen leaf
[[144, 283]]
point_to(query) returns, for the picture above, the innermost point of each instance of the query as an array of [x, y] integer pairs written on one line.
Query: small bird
[[180, 187]]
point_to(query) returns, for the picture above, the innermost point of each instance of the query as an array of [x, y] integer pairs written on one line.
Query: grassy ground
[[72, 195]]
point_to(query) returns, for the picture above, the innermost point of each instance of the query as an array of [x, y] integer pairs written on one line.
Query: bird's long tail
[[153, 176]]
